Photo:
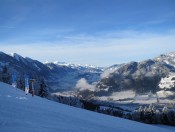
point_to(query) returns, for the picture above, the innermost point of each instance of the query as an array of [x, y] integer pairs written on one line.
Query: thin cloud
[[102, 50]]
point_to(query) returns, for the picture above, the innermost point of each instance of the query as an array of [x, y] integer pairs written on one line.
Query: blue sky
[[99, 32]]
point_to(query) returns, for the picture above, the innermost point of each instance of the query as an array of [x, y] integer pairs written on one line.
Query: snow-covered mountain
[[24, 113], [66, 75], [141, 77], [169, 58], [107, 71], [76, 66], [21, 65], [59, 76]]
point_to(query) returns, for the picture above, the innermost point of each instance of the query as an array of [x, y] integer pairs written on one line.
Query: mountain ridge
[[55, 75], [143, 76]]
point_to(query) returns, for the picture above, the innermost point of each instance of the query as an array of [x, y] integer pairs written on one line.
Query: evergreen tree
[[21, 83], [141, 111], [43, 91], [149, 114], [171, 116], [5, 75], [164, 115]]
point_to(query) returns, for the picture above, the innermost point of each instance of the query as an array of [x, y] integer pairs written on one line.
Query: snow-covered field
[[119, 97], [145, 98], [129, 96], [24, 113]]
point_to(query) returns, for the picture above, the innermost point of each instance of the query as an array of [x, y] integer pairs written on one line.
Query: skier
[[26, 85], [14, 80], [33, 91]]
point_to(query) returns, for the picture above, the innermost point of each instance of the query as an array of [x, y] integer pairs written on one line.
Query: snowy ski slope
[[24, 113]]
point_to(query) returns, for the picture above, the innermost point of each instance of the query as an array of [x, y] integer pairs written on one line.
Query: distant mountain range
[[59, 76], [65, 76], [140, 77]]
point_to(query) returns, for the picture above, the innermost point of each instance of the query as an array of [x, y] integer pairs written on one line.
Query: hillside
[[59, 76], [20, 112], [141, 77]]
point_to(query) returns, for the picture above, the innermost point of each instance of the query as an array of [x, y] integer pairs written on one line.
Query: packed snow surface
[[24, 113]]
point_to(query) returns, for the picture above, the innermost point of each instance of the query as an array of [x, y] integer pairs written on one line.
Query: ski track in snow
[[21, 98], [24, 113]]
